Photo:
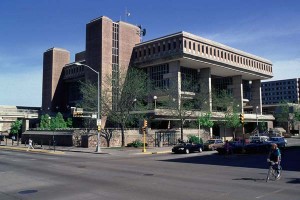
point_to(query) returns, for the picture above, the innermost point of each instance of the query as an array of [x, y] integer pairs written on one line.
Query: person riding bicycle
[[275, 157]]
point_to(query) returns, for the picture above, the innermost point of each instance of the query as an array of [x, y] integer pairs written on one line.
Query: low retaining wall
[[88, 138]]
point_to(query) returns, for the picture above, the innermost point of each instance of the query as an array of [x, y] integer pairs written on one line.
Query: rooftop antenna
[[141, 32], [127, 14]]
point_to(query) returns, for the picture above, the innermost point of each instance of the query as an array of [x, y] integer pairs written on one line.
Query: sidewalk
[[103, 150]]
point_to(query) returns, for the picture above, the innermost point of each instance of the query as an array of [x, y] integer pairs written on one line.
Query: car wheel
[[213, 148], [200, 149], [187, 151]]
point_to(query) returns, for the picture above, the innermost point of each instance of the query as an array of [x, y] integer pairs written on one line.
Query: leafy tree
[[184, 105], [45, 121], [204, 120], [283, 115], [232, 121], [56, 122], [127, 94], [195, 139], [224, 101], [123, 93], [16, 127]]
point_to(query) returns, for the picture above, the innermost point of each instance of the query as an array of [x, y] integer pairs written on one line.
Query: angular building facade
[[112, 47]]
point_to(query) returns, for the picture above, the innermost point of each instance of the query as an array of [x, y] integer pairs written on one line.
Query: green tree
[[232, 121], [124, 93], [223, 101], [283, 115], [45, 122], [15, 127], [127, 94], [56, 122], [183, 106], [204, 120]]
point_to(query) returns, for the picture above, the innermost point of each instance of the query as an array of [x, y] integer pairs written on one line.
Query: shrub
[[195, 139], [136, 144]]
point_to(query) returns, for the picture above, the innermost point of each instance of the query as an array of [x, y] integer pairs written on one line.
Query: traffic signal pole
[[144, 133]]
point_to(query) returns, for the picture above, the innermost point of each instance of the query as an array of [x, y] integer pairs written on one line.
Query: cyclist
[[275, 158]]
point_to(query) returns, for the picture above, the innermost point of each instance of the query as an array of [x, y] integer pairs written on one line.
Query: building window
[[157, 76], [174, 44], [188, 79], [190, 45]]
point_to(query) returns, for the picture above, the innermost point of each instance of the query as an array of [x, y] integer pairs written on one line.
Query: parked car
[[257, 146], [187, 148], [280, 141], [234, 147], [213, 144]]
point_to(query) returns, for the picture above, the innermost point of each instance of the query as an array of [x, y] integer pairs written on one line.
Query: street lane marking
[[270, 193]]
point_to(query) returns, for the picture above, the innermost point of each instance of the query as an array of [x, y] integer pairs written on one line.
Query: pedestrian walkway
[[9, 145]]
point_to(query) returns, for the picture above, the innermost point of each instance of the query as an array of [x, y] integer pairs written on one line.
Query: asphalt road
[[26, 175]]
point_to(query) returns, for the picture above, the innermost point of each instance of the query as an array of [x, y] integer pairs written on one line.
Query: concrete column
[[256, 96], [25, 125], [270, 124], [237, 86], [175, 79], [205, 86]]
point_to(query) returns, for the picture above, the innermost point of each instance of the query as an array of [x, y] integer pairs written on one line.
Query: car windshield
[[210, 141]]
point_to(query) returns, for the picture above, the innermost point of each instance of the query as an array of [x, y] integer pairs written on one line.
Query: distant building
[[275, 92], [112, 46]]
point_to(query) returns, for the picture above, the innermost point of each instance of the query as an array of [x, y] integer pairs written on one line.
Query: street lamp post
[[98, 148], [257, 121], [155, 98]]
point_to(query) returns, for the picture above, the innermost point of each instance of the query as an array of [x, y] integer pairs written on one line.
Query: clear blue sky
[[267, 28]]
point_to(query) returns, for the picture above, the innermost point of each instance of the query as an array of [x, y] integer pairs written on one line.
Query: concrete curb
[[31, 150], [154, 152]]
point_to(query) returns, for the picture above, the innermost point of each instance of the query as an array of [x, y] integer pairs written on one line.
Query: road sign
[[98, 122]]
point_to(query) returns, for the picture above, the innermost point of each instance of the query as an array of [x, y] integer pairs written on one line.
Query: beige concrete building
[[112, 46]]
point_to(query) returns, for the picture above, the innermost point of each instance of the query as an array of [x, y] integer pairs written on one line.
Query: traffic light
[[99, 128], [241, 118], [145, 123]]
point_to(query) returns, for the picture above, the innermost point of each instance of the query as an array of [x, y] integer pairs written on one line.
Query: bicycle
[[274, 172]]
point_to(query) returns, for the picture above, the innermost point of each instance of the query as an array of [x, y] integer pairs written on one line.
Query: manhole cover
[[27, 191]]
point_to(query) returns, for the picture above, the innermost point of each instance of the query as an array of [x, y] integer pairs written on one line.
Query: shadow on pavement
[[290, 160]]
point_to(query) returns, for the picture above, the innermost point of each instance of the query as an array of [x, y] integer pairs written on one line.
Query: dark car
[[257, 146], [234, 147], [280, 141], [187, 148]]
